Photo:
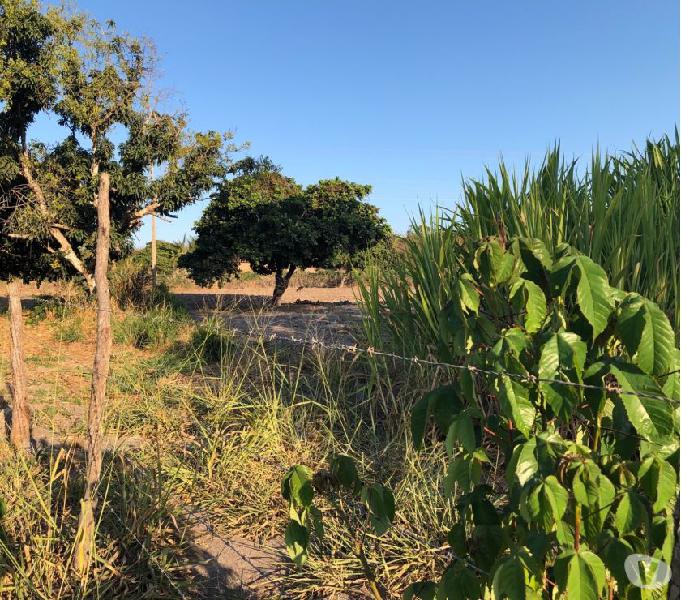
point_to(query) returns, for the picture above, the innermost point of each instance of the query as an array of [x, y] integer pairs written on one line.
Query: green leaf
[[381, 504], [535, 257], [296, 486], [443, 403], [647, 334], [464, 470], [593, 293], [580, 574], [458, 583], [658, 479], [651, 417], [525, 464], [296, 538], [457, 539], [564, 351], [562, 357], [461, 432], [421, 590], [509, 580], [494, 263], [515, 404], [344, 471], [614, 554], [630, 513], [533, 301], [468, 293], [546, 503]]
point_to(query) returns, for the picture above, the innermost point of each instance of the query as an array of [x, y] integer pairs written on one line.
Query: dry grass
[[202, 426]]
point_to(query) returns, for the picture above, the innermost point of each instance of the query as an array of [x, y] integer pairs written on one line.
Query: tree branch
[[55, 230]]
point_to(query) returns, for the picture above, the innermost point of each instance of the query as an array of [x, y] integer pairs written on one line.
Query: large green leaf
[[442, 403], [545, 505], [564, 351], [630, 512], [420, 590], [530, 297], [514, 399], [658, 479], [296, 486], [509, 580], [344, 471], [464, 470], [593, 293], [562, 357], [581, 575], [381, 504], [462, 433], [525, 462], [458, 583], [468, 293], [647, 334], [651, 417], [296, 538], [536, 258]]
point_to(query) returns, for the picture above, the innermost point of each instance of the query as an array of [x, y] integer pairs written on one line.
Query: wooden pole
[[100, 374], [153, 253], [21, 415]]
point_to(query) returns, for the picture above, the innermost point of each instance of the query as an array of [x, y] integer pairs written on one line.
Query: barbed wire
[[371, 351]]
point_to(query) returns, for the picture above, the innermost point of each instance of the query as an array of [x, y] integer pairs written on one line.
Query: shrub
[[49, 307], [154, 327], [210, 340], [560, 422], [69, 329]]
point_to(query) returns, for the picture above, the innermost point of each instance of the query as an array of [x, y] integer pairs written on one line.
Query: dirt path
[[324, 313]]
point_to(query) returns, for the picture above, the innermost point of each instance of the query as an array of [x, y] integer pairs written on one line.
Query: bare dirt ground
[[323, 313]]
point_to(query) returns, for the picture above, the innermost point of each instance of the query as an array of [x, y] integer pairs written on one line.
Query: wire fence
[[373, 352]]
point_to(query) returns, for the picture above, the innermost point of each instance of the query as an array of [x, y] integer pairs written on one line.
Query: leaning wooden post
[[21, 415], [100, 374]]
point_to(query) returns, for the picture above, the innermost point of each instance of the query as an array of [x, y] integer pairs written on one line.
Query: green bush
[[560, 421], [49, 307], [69, 329], [152, 328], [210, 340]]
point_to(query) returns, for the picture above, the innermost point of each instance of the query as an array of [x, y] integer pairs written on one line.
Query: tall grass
[[402, 300], [622, 211]]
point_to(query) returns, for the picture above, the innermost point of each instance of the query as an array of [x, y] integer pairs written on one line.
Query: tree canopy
[[92, 79], [262, 217]]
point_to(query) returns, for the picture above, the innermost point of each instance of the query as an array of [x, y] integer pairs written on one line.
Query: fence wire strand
[[371, 351]]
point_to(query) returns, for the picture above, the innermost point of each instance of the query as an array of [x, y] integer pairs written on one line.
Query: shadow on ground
[[331, 321], [150, 547]]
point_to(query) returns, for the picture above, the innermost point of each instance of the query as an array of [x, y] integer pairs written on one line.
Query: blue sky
[[410, 96]]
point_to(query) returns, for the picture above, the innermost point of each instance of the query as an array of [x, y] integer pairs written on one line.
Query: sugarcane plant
[[560, 426]]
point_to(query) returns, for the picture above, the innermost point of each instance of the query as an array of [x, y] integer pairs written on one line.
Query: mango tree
[[266, 219]]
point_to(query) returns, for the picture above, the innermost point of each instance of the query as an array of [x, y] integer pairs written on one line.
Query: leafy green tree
[[80, 199], [262, 217], [29, 40]]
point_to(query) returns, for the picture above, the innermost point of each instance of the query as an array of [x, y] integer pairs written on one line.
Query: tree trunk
[[21, 415], [100, 374], [281, 282], [153, 254]]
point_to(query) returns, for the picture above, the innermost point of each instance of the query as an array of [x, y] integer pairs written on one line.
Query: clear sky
[[410, 96]]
